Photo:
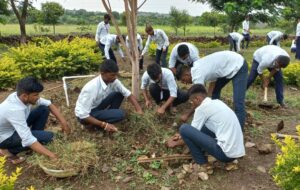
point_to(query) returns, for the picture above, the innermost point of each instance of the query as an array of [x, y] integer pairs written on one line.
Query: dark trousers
[[108, 110], [278, 77], [232, 44], [37, 120], [200, 142], [141, 63], [239, 83], [110, 52], [161, 56], [274, 42], [155, 92], [247, 39], [298, 48]]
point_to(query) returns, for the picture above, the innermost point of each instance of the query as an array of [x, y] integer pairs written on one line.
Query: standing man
[[183, 53], [22, 128], [163, 87], [215, 129], [246, 32], [98, 104], [298, 40], [107, 42], [102, 29], [274, 37], [235, 40], [139, 46], [219, 68], [162, 43], [272, 58]]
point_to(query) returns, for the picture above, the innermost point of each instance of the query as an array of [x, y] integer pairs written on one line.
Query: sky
[[161, 6]]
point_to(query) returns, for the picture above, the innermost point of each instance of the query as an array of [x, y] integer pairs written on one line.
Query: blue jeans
[[278, 77], [37, 120], [247, 39], [108, 110], [110, 52], [239, 83], [274, 42], [160, 55], [200, 142], [298, 48], [232, 44]]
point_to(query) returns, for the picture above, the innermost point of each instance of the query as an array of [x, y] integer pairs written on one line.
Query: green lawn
[[10, 29]]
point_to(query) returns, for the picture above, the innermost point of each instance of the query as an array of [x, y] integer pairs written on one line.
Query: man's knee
[[119, 115], [184, 128], [43, 109], [44, 137]]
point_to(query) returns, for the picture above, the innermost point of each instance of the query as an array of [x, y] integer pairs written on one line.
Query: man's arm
[[101, 124], [211, 88], [54, 110], [146, 46], [146, 97], [135, 103], [106, 48], [37, 147], [168, 103], [166, 39]]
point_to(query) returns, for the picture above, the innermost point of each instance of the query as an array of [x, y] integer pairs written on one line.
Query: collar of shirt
[[103, 84], [19, 101], [206, 101]]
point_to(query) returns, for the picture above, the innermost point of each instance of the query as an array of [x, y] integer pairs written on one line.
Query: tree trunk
[[232, 27], [22, 23]]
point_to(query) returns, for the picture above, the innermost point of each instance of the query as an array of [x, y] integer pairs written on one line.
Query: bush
[[286, 172], [46, 59], [291, 74], [9, 72], [7, 182]]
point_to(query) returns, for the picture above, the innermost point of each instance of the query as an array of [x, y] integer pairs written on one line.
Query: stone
[[250, 144], [203, 176], [261, 169], [265, 148], [127, 179]]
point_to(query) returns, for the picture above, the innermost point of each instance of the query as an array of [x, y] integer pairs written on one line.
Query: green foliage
[[291, 74], [8, 182], [179, 19], [286, 172], [45, 59], [212, 19], [3, 10], [51, 11]]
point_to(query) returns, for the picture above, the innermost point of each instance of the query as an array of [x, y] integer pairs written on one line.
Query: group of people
[[215, 128]]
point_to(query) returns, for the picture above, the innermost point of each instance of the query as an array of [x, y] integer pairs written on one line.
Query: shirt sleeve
[[140, 43], [98, 31], [145, 80], [84, 104], [120, 51], [166, 39], [172, 86], [147, 45], [173, 58], [262, 66], [119, 87], [275, 37], [17, 119], [43, 102], [238, 45], [107, 47], [194, 54], [199, 119]]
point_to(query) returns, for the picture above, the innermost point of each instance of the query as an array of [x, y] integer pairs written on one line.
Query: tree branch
[[24, 9], [141, 5], [13, 6]]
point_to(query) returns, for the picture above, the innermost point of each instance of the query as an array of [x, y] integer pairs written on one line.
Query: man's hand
[[161, 110], [174, 141], [140, 111], [184, 118], [53, 157], [164, 49], [266, 82], [110, 128], [148, 103], [65, 128]]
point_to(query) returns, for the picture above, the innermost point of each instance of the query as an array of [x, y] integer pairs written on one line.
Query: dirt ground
[[120, 151]]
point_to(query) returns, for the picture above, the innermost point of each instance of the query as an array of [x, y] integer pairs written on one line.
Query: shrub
[[286, 172], [9, 72], [291, 74], [7, 182]]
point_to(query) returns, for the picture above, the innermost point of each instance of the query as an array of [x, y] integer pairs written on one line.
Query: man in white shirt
[[274, 37], [272, 58], [162, 43], [235, 40], [107, 42], [102, 29], [246, 32], [220, 68], [298, 40], [215, 129], [163, 87], [98, 104], [139, 46], [183, 53], [22, 128]]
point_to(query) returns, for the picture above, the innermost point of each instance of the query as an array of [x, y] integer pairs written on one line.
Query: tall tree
[[186, 20], [131, 9], [20, 10], [3, 10], [51, 12], [176, 19], [261, 10], [213, 19]]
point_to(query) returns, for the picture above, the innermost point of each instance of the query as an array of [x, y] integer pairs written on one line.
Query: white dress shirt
[[167, 82], [217, 65], [193, 56], [139, 42], [102, 30], [238, 38], [275, 36], [160, 38], [246, 27], [222, 121], [111, 40], [266, 56], [13, 116], [298, 29], [94, 92]]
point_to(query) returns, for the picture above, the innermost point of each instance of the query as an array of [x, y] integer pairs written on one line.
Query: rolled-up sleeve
[[166, 39], [194, 54], [119, 87], [107, 47], [18, 121], [147, 45], [145, 80], [43, 102], [173, 58], [84, 104], [172, 86], [198, 120]]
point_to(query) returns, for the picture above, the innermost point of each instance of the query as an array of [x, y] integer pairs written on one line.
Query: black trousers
[[156, 91], [232, 44], [247, 39], [274, 42], [110, 52]]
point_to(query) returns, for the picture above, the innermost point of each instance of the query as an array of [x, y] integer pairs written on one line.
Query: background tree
[[213, 19], [176, 19], [3, 10], [51, 12], [186, 20]]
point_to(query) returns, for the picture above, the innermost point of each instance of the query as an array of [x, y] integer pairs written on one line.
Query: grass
[[13, 29]]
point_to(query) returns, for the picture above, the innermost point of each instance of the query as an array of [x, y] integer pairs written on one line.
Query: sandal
[[15, 159]]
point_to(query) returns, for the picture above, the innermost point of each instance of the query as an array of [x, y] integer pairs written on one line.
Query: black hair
[[197, 88], [283, 60], [183, 50], [109, 66], [29, 85], [107, 16], [154, 70], [148, 28], [285, 36], [180, 70]]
